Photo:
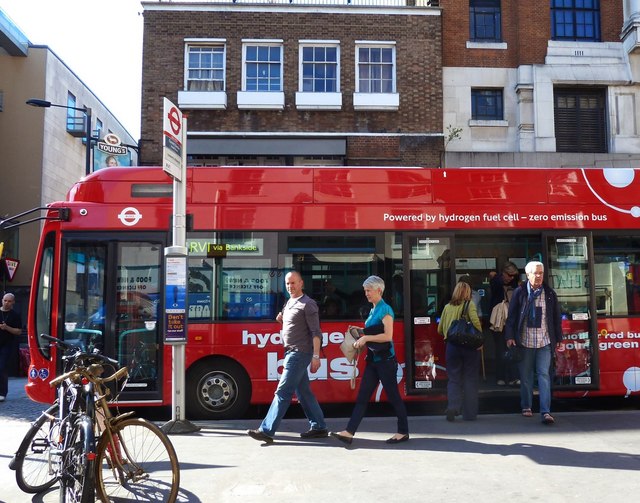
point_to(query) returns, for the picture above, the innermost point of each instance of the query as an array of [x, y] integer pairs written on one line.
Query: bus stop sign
[[172, 143]]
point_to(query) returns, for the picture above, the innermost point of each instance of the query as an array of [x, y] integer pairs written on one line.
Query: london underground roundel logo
[[129, 216], [175, 120]]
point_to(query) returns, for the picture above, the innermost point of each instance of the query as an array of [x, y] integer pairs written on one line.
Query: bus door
[[569, 273], [112, 301], [429, 264]]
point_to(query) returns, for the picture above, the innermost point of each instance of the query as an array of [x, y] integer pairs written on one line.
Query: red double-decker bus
[[98, 278]]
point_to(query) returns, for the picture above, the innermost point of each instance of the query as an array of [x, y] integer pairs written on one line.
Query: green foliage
[[452, 133]]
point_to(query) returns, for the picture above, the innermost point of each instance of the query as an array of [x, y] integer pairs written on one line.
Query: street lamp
[[85, 110]]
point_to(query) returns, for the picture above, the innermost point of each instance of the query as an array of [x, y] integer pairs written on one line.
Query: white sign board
[[172, 140]]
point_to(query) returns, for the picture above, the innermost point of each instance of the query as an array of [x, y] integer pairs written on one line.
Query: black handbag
[[377, 347], [463, 334], [514, 354]]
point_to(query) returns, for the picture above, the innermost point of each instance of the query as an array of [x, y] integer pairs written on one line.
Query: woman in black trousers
[[381, 365]]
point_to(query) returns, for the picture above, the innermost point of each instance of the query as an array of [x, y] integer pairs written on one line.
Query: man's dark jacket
[[519, 309]]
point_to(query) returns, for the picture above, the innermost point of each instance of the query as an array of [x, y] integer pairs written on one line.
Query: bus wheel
[[217, 389]]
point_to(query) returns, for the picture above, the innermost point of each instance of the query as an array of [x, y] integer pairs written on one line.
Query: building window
[[262, 79], [263, 68], [204, 74], [486, 104], [319, 69], [376, 77], [319, 75], [580, 120], [75, 118], [205, 68], [376, 69], [485, 21], [575, 20], [99, 128]]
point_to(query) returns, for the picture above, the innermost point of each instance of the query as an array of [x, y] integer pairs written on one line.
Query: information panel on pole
[[172, 144], [175, 299]]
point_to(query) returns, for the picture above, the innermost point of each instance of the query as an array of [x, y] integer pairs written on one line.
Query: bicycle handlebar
[[61, 344], [78, 352], [90, 375]]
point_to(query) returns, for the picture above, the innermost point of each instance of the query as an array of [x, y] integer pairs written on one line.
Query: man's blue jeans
[[295, 379], [538, 359]]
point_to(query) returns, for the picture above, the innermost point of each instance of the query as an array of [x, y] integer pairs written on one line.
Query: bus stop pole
[[179, 423]]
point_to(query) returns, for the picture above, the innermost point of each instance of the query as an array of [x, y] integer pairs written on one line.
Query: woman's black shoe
[[343, 438], [394, 440]]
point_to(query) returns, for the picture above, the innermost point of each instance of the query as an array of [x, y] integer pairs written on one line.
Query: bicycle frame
[[105, 421]]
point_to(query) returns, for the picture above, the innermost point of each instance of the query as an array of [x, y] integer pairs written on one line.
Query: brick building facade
[[491, 82], [404, 130]]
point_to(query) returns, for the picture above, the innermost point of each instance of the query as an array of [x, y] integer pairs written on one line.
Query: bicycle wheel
[[140, 465], [77, 469], [36, 471]]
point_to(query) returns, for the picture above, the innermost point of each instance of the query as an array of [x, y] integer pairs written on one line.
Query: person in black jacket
[[502, 286], [535, 323], [10, 328]]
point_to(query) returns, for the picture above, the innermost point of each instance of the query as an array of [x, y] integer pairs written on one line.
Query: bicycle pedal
[[39, 445]]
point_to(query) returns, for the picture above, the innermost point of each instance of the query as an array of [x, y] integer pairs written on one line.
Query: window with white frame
[[376, 68], [262, 67], [206, 67], [376, 76], [204, 74], [319, 75], [319, 70]]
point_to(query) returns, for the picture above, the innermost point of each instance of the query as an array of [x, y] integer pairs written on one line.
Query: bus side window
[[617, 275], [231, 276]]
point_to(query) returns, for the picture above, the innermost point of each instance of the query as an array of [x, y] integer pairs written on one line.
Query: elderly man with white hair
[[535, 324]]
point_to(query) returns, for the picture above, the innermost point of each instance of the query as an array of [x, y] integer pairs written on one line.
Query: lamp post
[[85, 110]]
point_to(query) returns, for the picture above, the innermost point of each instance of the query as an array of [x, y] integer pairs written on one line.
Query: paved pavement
[[585, 457]]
